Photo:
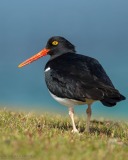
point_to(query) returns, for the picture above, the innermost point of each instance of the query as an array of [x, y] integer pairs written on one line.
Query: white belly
[[71, 102]]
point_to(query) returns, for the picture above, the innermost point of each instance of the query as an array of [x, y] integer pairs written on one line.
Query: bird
[[75, 79]]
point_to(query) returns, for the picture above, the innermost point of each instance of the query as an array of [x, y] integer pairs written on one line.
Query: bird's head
[[55, 46]]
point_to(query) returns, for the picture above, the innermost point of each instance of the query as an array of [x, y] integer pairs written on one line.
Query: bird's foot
[[75, 131]]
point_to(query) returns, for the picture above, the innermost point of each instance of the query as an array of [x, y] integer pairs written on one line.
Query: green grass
[[48, 137]]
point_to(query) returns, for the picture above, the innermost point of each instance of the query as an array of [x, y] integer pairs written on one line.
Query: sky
[[98, 28]]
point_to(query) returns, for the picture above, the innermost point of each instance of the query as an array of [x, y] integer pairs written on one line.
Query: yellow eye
[[55, 43]]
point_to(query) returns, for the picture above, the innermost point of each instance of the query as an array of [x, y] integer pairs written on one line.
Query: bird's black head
[[59, 45], [55, 47]]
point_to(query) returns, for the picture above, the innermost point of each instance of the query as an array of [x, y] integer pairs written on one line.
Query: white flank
[[67, 102]]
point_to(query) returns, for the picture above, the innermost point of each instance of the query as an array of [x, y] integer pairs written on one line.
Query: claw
[[75, 131]]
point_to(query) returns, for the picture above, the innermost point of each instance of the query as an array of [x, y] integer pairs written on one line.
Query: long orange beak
[[35, 57]]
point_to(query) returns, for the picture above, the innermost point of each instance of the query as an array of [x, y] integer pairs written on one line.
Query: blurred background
[[97, 28]]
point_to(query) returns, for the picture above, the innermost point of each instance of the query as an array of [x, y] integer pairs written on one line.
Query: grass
[[48, 137]]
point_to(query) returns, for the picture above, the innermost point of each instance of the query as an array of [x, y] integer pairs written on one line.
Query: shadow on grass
[[96, 127]]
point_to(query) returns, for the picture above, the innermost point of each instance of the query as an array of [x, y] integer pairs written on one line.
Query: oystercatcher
[[73, 79]]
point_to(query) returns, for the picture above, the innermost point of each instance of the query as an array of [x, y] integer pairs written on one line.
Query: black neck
[[55, 54]]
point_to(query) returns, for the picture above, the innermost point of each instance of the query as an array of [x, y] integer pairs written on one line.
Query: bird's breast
[[47, 69]]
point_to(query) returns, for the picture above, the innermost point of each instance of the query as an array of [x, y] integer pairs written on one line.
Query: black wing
[[78, 77]]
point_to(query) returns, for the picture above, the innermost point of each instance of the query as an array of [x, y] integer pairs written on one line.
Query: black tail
[[111, 101]]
